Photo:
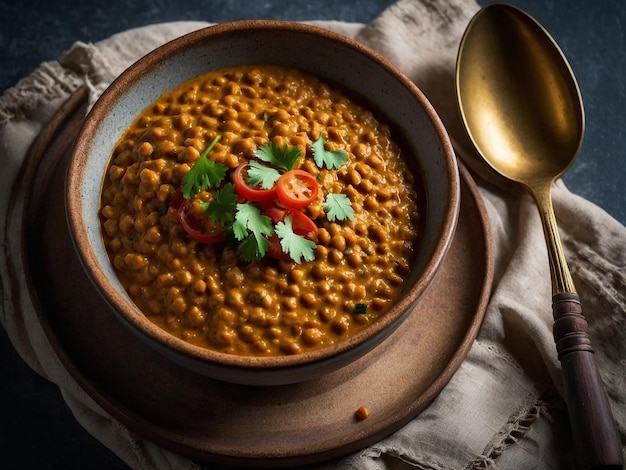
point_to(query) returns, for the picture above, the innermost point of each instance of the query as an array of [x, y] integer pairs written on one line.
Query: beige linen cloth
[[503, 408]]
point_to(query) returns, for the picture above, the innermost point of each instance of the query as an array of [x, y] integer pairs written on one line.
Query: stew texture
[[202, 292]]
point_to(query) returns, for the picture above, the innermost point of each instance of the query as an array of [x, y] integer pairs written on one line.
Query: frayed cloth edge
[[49, 81], [536, 405], [518, 425]]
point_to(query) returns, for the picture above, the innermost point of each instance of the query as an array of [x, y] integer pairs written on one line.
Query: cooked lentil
[[362, 413], [203, 293]]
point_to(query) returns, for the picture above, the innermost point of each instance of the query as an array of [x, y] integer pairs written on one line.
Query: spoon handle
[[595, 435]]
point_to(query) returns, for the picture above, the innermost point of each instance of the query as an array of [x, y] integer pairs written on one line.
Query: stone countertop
[[38, 429]]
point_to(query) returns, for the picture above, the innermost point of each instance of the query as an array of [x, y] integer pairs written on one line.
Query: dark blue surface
[[37, 430]]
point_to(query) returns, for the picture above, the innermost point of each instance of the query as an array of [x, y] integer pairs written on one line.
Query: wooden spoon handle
[[596, 440]]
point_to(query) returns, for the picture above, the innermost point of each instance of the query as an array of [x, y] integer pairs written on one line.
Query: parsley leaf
[[222, 208], [261, 175], [338, 207], [331, 158], [285, 158], [296, 246], [204, 174]]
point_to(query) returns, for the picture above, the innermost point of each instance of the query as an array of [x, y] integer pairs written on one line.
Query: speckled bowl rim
[[227, 366]]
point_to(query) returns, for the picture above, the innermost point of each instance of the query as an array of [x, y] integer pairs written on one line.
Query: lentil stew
[[204, 293]]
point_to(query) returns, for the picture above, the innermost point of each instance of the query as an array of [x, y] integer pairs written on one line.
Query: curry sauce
[[203, 292]]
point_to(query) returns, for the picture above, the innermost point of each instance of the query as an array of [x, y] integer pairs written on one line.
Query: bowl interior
[[308, 48]]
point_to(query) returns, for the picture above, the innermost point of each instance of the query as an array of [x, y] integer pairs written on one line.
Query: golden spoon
[[522, 108]]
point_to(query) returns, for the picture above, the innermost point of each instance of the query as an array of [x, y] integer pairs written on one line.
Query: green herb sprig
[[332, 159], [245, 221], [284, 158], [204, 174], [296, 246]]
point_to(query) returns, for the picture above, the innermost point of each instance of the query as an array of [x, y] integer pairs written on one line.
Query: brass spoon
[[522, 108]]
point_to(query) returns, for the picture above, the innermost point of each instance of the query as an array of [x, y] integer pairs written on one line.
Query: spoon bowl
[[523, 111], [525, 84]]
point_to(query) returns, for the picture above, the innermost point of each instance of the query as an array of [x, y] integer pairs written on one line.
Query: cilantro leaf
[[251, 218], [296, 246], [222, 208], [242, 216], [252, 248], [331, 158], [204, 174], [251, 228], [261, 175], [272, 153], [240, 230], [360, 308], [338, 207]]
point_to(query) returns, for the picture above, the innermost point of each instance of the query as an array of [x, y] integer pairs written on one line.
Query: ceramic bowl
[[309, 48]]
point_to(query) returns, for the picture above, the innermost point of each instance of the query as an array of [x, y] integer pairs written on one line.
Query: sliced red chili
[[244, 190], [303, 225], [274, 249], [198, 225], [272, 210], [296, 189]]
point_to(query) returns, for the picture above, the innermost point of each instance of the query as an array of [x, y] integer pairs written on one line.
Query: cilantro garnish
[[222, 208], [261, 175], [284, 158], [338, 207], [331, 158], [244, 222], [251, 228], [204, 174], [360, 308], [252, 248], [296, 246]]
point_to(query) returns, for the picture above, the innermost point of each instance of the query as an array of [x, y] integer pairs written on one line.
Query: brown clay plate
[[213, 421]]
